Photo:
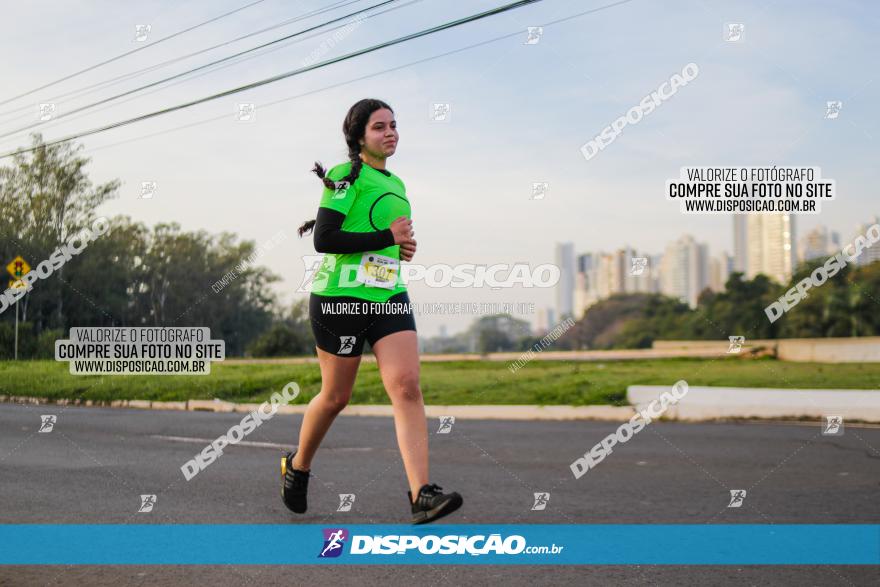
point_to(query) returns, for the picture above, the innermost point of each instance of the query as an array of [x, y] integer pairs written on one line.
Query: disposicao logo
[[334, 541]]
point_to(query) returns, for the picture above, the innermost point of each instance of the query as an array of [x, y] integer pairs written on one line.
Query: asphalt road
[[96, 462]]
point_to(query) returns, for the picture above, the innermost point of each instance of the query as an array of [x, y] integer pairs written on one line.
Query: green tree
[[46, 197], [291, 334]]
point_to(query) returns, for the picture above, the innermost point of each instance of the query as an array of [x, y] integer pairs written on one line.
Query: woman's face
[[381, 136]]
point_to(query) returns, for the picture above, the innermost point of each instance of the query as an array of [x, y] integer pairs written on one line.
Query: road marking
[[286, 447], [807, 423], [210, 440]]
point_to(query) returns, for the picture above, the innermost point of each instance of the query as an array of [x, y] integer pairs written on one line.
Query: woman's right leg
[[337, 381]]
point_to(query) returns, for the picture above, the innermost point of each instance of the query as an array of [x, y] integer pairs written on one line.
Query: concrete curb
[[713, 403], [492, 412], [700, 404], [710, 352]]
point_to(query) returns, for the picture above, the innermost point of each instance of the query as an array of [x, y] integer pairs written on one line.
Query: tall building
[[818, 243], [601, 275], [565, 288], [586, 291], [605, 276], [641, 274], [619, 270], [544, 320], [719, 271], [655, 263], [770, 239], [684, 271], [872, 253], [740, 249], [540, 321], [585, 284]]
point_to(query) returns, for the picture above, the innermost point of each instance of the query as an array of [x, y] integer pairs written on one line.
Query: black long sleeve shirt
[[330, 238]]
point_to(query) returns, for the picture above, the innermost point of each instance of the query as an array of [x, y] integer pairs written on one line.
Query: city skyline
[[613, 270], [687, 266]]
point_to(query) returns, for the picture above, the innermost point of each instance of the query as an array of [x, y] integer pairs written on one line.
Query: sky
[[519, 114]]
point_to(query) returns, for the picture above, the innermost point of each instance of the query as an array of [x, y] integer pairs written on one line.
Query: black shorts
[[342, 324]]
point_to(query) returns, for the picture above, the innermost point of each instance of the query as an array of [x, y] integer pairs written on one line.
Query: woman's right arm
[[330, 238]]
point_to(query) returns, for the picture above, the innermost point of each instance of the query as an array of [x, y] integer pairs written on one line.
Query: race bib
[[378, 270]]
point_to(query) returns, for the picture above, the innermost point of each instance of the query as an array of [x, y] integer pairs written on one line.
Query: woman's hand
[[403, 236], [407, 250], [402, 230]]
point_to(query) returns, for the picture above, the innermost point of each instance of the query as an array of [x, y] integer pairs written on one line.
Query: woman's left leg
[[397, 355]]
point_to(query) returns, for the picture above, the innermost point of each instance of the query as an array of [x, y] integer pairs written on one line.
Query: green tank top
[[370, 204]]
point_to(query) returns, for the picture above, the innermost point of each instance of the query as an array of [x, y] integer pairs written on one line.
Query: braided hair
[[354, 128]]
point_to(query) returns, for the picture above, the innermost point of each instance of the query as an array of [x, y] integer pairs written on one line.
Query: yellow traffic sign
[[18, 268], [16, 284]]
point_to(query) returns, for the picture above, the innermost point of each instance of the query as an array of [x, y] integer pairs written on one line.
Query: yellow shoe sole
[[283, 473]]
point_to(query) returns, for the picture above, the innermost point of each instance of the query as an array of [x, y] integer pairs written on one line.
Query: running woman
[[364, 228]]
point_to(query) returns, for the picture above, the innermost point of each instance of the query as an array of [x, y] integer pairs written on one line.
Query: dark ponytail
[[353, 128]]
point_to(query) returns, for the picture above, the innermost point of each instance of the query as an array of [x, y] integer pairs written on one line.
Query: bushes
[[30, 345]]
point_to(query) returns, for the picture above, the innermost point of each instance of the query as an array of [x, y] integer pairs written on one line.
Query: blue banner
[[491, 544]]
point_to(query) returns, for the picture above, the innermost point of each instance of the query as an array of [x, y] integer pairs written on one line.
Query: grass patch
[[464, 382]]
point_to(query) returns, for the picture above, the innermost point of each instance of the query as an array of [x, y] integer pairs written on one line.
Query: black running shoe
[[294, 486], [432, 504]]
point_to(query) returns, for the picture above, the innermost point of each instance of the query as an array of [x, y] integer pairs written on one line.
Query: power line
[[112, 81], [346, 82], [357, 79], [283, 46], [316, 91], [195, 69], [285, 75], [127, 53]]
